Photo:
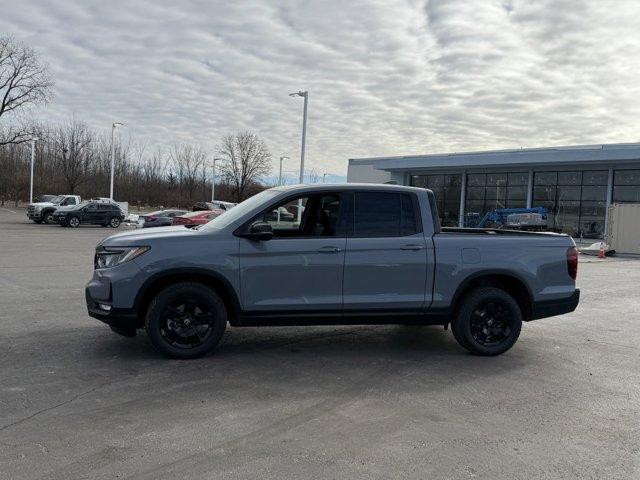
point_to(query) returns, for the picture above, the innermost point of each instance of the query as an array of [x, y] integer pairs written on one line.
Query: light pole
[[304, 95], [280, 174], [213, 180], [33, 158], [114, 125], [324, 176]]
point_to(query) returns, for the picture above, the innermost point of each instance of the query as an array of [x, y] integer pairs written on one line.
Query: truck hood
[[140, 237], [42, 204]]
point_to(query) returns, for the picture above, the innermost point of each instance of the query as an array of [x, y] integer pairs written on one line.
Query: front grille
[[31, 209]]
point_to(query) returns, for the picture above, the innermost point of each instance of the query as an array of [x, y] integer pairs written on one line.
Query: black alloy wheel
[[491, 323], [487, 322], [73, 222], [114, 222], [186, 320], [186, 323]]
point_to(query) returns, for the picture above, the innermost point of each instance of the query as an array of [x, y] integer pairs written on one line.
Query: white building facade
[[576, 184]]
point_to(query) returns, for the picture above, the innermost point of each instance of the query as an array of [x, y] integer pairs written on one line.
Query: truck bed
[[496, 231]]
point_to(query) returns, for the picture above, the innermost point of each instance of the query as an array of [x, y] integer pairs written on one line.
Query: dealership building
[[576, 184]]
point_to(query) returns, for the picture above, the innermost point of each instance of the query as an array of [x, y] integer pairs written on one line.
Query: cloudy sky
[[386, 77]]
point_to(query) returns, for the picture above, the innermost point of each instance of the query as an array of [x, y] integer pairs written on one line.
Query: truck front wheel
[[186, 320], [488, 321], [48, 217]]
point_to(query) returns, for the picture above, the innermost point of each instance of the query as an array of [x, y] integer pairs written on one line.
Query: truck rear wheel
[[186, 320], [488, 321]]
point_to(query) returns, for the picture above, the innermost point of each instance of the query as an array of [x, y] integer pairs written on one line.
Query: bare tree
[[246, 161], [314, 176], [24, 81], [187, 161], [74, 153]]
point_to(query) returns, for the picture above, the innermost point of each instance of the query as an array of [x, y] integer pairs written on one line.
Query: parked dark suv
[[90, 213]]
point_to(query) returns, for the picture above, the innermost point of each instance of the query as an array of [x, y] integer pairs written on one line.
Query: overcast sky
[[385, 77]]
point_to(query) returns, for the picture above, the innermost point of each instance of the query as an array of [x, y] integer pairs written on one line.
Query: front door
[[300, 269], [90, 213], [386, 260]]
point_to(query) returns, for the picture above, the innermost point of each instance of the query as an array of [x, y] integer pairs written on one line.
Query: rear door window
[[382, 214]]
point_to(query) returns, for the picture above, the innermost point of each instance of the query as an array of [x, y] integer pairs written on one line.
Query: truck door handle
[[411, 247], [328, 250]]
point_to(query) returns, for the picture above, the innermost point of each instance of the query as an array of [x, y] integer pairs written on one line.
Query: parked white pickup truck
[[43, 211]]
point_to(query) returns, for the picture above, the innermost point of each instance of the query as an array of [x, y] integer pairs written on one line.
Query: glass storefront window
[[626, 177], [476, 179], [545, 178], [446, 189], [575, 200], [626, 186], [492, 191], [569, 178], [518, 178]]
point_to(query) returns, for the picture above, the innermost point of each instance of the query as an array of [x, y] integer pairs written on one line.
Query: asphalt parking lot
[[77, 401]]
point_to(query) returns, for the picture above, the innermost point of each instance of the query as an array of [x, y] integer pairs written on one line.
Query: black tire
[[488, 321], [37, 221], [47, 217], [73, 221], [114, 222], [171, 323]]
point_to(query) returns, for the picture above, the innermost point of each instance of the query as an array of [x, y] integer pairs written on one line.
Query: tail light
[[572, 262]]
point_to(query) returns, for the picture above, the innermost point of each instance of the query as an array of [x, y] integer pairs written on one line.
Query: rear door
[[386, 259], [299, 271]]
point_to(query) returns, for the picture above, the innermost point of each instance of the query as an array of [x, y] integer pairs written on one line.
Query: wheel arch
[[505, 280], [213, 280]]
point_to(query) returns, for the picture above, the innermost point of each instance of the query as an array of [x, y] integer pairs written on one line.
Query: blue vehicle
[[356, 254], [499, 218]]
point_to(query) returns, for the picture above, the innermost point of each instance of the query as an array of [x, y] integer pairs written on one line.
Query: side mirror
[[260, 231]]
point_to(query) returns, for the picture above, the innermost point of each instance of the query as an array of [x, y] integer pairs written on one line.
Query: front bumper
[[110, 296], [551, 308], [35, 215], [121, 318]]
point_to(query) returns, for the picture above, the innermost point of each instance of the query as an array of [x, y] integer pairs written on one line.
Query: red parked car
[[193, 219]]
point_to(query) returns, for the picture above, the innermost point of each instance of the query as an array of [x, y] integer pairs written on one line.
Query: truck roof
[[349, 186]]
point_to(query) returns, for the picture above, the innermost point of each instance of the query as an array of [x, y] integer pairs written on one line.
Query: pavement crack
[[52, 407]]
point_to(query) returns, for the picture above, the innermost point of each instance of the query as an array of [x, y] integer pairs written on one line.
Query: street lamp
[[33, 157], [304, 95], [280, 174], [114, 125], [213, 180]]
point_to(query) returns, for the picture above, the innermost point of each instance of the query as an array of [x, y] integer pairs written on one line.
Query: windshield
[[82, 204], [57, 199], [240, 210]]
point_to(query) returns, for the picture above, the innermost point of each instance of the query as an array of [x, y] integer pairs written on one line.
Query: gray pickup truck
[[354, 254]]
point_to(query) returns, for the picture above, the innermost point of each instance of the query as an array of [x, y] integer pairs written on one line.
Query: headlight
[[38, 208], [111, 256]]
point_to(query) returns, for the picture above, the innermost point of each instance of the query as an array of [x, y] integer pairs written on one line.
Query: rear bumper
[[551, 308]]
